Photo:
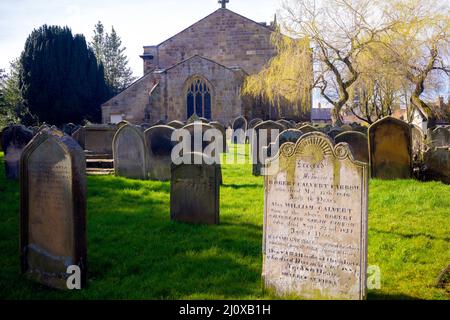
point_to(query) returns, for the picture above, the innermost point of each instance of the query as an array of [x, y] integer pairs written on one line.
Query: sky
[[137, 22]]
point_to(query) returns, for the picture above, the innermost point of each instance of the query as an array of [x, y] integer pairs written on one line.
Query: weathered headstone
[[239, 129], [79, 136], [358, 143], [129, 152], [437, 164], [315, 221], [306, 128], [262, 135], [159, 149], [254, 122], [98, 138], [418, 143], [440, 137], [333, 132], [222, 130], [195, 190], [287, 124], [290, 135], [14, 139], [390, 149], [176, 124], [346, 127], [53, 209]]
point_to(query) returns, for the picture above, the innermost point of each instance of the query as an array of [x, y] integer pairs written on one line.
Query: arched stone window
[[198, 98]]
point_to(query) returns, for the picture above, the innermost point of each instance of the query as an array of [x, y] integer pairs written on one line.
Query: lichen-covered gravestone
[[194, 191], [315, 221], [159, 149], [358, 142], [53, 209], [390, 149], [129, 152], [14, 140]]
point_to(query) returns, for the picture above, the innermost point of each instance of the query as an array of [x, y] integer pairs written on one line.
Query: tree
[[60, 79], [419, 46], [109, 52]]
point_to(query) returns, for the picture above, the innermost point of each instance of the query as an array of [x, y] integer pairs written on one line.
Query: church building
[[200, 70]]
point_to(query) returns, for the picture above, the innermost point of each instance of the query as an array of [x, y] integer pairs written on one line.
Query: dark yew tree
[[60, 78]]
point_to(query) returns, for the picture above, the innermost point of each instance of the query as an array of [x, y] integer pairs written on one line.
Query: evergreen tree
[[109, 51], [60, 79]]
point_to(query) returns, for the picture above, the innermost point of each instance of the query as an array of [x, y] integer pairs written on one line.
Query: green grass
[[136, 252]]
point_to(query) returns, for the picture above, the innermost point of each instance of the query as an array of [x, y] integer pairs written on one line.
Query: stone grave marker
[[221, 128], [390, 149], [437, 163], [357, 142], [290, 135], [159, 149], [239, 129], [98, 138], [306, 128], [129, 152], [14, 140], [440, 137], [195, 190], [176, 124], [315, 221], [262, 135], [53, 209], [254, 122]]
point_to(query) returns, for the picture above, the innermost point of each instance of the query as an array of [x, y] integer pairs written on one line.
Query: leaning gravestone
[[357, 142], [315, 221], [14, 140], [53, 209], [194, 191], [129, 152], [159, 149], [390, 149], [262, 135]]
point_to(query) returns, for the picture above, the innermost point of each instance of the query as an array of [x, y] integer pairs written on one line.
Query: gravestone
[[440, 137], [195, 190], [69, 128], [418, 143], [222, 130], [437, 164], [98, 138], [346, 127], [200, 129], [129, 152], [14, 140], [357, 142], [176, 124], [306, 128], [333, 132], [290, 135], [315, 221], [159, 149], [239, 129], [287, 124], [79, 136], [53, 209], [254, 122], [262, 135], [390, 149]]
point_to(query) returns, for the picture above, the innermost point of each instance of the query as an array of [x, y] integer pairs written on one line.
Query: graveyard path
[[136, 252]]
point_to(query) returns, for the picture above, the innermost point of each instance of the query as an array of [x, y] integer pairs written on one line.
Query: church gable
[[224, 36]]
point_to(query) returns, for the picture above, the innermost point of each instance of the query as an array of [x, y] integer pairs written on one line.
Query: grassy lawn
[[136, 252]]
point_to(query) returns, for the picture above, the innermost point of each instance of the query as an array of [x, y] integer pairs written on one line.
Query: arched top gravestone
[[240, 123], [14, 140], [159, 150], [306, 128], [129, 152], [390, 149], [52, 208], [254, 122], [439, 137], [358, 143], [176, 124], [315, 221]]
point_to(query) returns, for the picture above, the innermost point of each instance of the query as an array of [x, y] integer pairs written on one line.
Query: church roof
[[268, 28]]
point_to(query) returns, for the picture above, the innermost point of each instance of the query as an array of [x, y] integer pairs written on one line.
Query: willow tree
[[418, 47], [287, 79]]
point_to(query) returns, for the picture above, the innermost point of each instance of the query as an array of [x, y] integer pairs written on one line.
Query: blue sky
[[138, 22]]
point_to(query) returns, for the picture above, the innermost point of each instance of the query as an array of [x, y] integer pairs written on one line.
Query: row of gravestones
[[310, 258], [148, 154]]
